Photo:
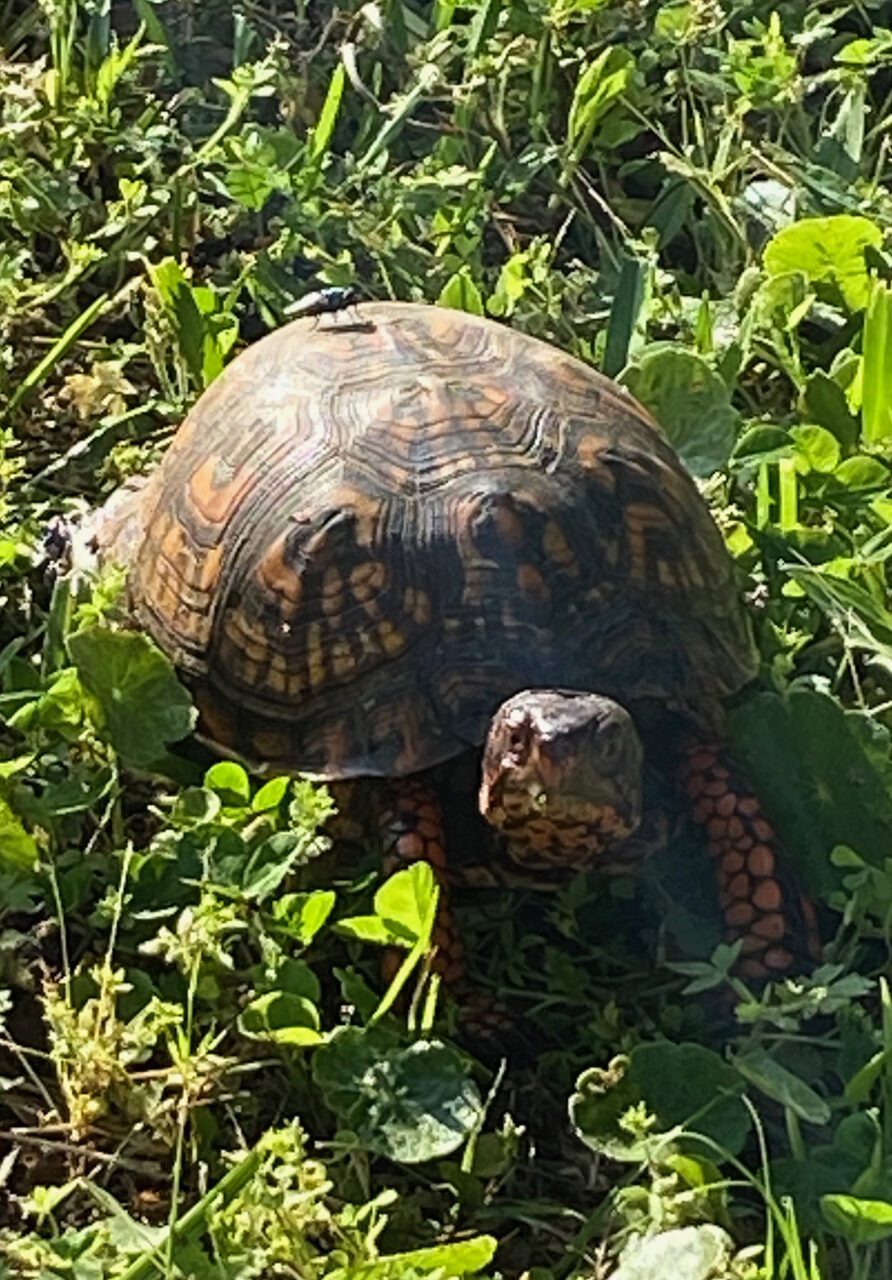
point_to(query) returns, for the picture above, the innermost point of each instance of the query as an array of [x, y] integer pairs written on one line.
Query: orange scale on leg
[[740, 914], [732, 862], [740, 887], [726, 804], [778, 958], [771, 927], [750, 943], [435, 854], [410, 847], [767, 895], [716, 828], [760, 861]]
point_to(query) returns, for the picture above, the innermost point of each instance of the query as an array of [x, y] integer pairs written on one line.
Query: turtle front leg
[[760, 902], [412, 829]]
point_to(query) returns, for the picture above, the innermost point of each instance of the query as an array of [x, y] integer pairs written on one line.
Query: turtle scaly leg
[[760, 902], [412, 827]]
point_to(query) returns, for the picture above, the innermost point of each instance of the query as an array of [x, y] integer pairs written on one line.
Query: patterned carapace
[[362, 541]]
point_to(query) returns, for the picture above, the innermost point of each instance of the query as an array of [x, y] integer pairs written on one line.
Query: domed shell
[[376, 526]]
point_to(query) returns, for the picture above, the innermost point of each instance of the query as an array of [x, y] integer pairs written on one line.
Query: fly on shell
[[338, 302]]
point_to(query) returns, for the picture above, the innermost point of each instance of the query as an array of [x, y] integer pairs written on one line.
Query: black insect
[[324, 301], [56, 540]]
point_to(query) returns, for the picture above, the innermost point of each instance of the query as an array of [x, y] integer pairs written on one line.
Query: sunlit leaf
[[412, 1102], [830, 252], [690, 401], [861, 1221], [17, 847], [143, 705]]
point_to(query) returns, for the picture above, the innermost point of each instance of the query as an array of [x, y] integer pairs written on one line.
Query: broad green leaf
[[293, 976], [674, 22], [824, 1170], [862, 473], [411, 1103], [407, 902], [282, 1017], [143, 705], [270, 795], [196, 807], [774, 1080], [597, 88], [824, 402], [830, 252], [302, 915], [679, 1086], [231, 783], [9, 768], [807, 760], [249, 186], [690, 1085], [761, 444], [817, 449], [691, 403], [603, 1097], [370, 929], [461, 292], [464, 1258], [860, 1221], [17, 847]]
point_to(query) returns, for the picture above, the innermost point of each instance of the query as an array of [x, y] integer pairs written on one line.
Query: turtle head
[[561, 777]]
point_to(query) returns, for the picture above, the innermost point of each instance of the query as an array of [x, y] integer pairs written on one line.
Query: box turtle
[[377, 543]]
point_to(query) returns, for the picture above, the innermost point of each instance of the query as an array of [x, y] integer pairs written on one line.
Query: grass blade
[[628, 302], [59, 348], [328, 115], [876, 406]]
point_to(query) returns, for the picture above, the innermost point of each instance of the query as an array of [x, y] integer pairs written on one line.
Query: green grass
[[201, 1073]]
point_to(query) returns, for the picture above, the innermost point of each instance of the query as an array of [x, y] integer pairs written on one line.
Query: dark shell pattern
[[364, 537]]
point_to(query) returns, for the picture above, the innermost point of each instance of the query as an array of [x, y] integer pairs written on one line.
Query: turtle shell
[[374, 527]]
